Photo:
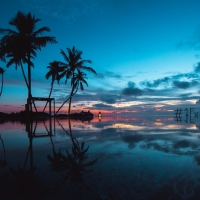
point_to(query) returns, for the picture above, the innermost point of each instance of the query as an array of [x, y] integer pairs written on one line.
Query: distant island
[[81, 115]]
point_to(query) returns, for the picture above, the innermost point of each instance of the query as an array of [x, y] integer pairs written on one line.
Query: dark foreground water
[[127, 158]]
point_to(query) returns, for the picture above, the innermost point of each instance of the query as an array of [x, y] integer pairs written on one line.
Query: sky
[[146, 54]]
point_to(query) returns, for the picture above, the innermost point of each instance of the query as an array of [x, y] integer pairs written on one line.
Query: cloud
[[132, 140], [100, 75], [197, 68], [156, 146], [181, 84], [185, 84], [156, 82], [185, 95], [112, 74], [184, 144], [132, 90], [108, 99], [101, 105], [197, 159]]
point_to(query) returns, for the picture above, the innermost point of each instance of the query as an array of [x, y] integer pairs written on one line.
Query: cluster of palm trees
[[71, 70], [18, 47]]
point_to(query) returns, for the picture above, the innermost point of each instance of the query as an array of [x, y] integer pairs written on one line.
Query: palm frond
[[40, 31], [64, 55]]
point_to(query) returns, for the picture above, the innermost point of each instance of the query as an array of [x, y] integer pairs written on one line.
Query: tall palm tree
[[54, 68], [76, 82], [24, 42], [1, 72], [73, 63]]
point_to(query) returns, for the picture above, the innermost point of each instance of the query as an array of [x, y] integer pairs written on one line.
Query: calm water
[[137, 158]]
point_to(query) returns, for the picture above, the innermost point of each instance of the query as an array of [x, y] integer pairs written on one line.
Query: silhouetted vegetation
[[73, 66], [54, 69], [20, 46], [1, 72], [73, 163]]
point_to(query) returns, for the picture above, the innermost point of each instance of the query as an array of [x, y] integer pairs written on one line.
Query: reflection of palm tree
[[74, 163], [1, 72], [54, 68], [74, 63], [25, 41], [3, 162]]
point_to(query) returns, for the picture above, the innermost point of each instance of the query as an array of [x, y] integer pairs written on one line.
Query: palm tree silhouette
[[73, 63], [1, 72], [54, 68], [76, 82], [24, 42]]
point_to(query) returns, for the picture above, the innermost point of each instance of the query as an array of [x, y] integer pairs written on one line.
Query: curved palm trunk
[[4, 151], [24, 74], [70, 101], [66, 101], [1, 84], [29, 82], [49, 95]]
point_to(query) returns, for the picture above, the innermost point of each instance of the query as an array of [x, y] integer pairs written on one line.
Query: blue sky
[[145, 52]]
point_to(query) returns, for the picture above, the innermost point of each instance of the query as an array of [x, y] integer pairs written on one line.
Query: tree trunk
[[24, 75], [1, 84], [49, 95], [70, 101], [65, 101], [29, 81]]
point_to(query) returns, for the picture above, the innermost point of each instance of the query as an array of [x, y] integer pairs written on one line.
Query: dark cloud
[[156, 82], [156, 146], [131, 84], [132, 140], [185, 84], [184, 144], [197, 159], [175, 80], [132, 90], [101, 105], [197, 68], [181, 144], [194, 83], [181, 84], [108, 99]]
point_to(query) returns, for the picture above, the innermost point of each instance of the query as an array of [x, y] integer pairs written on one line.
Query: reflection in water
[[138, 158], [73, 163], [3, 161]]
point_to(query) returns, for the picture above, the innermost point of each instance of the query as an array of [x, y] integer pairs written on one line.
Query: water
[[137, 158]]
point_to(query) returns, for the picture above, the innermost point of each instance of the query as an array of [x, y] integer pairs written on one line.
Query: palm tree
[[73, 63], [24, 42], [54, 68], [1, 72], [76, 81]]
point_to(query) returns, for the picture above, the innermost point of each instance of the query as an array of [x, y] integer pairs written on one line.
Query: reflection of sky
[[110, 127], [137, 150]]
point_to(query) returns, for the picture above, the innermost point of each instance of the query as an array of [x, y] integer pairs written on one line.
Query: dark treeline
[[21, 116]]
